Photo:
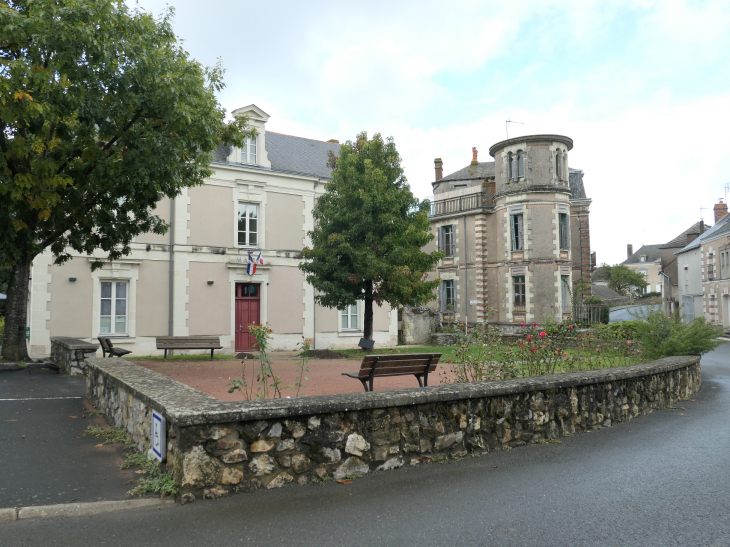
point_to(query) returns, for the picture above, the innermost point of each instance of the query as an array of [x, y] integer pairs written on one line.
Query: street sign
[[159, 442], [27, 333]]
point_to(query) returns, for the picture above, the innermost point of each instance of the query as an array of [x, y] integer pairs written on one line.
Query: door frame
[[235, 307], [237, 274]]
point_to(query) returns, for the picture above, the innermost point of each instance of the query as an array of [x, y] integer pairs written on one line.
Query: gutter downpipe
[[466, 284], [171, 267]]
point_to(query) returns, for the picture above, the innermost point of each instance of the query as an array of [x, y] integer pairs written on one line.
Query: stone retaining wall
[[70, 354], [217, 447]]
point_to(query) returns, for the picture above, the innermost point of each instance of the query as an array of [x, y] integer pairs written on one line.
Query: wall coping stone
[[185, 406], [74, 343]]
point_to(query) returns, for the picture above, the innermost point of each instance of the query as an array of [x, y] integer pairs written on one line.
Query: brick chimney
[[629, 250], [720, 211], [474, 156], [439, 166]]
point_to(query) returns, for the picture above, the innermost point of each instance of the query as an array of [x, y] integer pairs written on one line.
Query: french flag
[[260, 259], [251, 268]]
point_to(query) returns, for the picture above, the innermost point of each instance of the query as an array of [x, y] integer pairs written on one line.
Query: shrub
[[660, 336]]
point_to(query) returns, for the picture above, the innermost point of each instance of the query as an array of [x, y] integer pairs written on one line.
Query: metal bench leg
[[211, 355], [364, 383], [418, 377]]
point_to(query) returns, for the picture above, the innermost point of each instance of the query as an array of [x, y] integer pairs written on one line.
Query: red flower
[[522, 345], [534, 324], [522, 325], [543, 335], [564, 353], [533, 349], [529, 337], [570, 326], [628, 342]]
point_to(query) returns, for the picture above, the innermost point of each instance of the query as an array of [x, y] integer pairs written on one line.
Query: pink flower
[[529, 337], [570, 326], [543, 335], [533, 349], [534, 324], [628, 342], [522, 325], [564, 353], [598, 350], [522, 345]]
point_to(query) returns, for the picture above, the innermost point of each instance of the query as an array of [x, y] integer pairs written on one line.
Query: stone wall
[[215, 448], [418, 324], [70, 354]]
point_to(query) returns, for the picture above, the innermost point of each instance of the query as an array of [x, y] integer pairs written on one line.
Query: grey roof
[[652, 253], [483, 170], [682, 239], [604, 292], [577, 189], [299, 155], [721, 228]]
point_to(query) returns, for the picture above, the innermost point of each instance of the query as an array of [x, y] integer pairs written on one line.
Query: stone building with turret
[[515, 233]]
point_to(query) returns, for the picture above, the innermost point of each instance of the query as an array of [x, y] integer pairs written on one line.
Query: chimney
[[439, 165], [702, 226], [474, 156], [629, 250], [720, 211]]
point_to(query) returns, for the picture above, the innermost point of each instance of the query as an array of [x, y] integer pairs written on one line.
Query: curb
[[79, 509]]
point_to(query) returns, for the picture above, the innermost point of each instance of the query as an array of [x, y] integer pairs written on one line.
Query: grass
[[111, 435]]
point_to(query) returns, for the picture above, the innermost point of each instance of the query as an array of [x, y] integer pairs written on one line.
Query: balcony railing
[[456, 205]]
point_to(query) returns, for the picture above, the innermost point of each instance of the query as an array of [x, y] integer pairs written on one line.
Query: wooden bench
[[189, 342], [418, 364], [108, 347]]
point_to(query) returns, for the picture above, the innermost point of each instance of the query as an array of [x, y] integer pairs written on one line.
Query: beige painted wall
[[70, 303], [542, 217], [285, 304], [152, 298], [284, 222], [326, 319], [212, 216], [381, 321], [163, 211], [209, 308]]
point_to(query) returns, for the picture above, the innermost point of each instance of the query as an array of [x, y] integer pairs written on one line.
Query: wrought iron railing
[[456, 205]]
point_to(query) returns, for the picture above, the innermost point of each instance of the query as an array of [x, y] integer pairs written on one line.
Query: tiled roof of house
[[575, 178], [604, 292], [483, 170], [651, 252], [299, 155], [682, 239], [721, 228]]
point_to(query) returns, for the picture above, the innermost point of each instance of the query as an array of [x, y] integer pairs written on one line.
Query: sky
[[642, 88]]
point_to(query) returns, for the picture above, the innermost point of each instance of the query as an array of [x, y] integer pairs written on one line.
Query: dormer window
[[248, 152], [642, 258]]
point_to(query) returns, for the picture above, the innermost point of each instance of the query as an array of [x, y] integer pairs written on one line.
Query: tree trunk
[[15, 347], [368, 326]]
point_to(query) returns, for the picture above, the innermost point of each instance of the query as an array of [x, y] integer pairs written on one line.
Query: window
[[113, 310], [520, 164], [711, 272], [558, 165], [564, 231], [645, 273], [519, 290], [517, 231], [513, 167], [447, 241], [725, 264], [349, 318], [448, 296], [642, 258], [565, 292], [248, 224], [248, 152]]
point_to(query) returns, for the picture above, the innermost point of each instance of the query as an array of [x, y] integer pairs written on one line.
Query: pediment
[[253, 112]]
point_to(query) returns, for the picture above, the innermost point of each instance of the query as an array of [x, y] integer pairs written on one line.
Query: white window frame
[[113, 299], [249, 151], [350, 312], [447, 240], [246, 231]]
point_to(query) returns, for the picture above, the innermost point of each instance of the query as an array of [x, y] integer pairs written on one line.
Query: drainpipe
[[466, 284], [172, 267], [314, 300]]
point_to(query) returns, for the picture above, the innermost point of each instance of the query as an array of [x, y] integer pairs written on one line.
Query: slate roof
[[681, 240], [721, 228], [604, 293], [299, 155], [289, 154], [575, 178], [652, 253], [483, 170]]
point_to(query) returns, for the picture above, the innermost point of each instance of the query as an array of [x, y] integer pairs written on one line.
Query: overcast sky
[[643, 89]]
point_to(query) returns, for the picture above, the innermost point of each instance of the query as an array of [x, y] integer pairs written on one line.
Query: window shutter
[[442, 305], [520, 233], [512, 232], [441, 238], [453, 240]]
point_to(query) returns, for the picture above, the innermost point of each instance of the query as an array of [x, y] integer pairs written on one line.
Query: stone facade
[[215, 448], [418, 324], [70, 354]]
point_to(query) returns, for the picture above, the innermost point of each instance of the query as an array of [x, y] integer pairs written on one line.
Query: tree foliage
[[369, 233], [623, 279], [102, 114]]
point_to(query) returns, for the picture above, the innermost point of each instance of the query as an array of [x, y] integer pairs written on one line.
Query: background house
[[648, 262], [514, 231], [194, 280]]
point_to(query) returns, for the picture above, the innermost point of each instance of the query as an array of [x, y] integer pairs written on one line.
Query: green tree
[[369, 232], [102, 114], [623, 279]]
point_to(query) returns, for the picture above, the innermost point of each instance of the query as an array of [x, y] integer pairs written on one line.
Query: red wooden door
[[248, 310]]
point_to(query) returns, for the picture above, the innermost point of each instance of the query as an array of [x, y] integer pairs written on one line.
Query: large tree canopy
[[102, 114], [369, 232], [623, 279]]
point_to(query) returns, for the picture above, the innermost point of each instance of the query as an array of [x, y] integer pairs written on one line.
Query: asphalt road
[[660, 480], [628, 314], [44, 456]]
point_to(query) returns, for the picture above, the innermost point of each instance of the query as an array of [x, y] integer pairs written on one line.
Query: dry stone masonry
[[215, 448], [70, 354]]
